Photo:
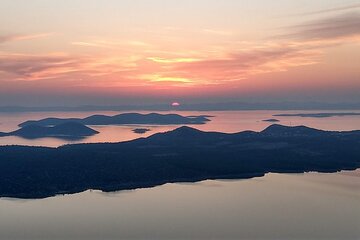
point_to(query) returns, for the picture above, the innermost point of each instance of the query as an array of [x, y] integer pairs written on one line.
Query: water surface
[[277, 206]]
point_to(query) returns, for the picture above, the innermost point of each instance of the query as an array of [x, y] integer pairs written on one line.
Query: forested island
[[182, 155]]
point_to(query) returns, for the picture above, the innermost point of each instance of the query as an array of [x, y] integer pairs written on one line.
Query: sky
[[94, 52]]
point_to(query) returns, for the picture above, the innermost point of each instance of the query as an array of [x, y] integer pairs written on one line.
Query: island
[[141, 130], [318, 115], [182, 155], [69, 130], [272, 120], [124, 119]]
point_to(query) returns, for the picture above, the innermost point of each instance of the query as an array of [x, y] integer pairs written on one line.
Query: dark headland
[[182, 155], [123, 119]]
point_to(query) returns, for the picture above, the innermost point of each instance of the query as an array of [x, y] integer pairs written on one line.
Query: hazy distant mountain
[[207, 106], [125, 118], [185, 154], [65, 130], [319, 115]]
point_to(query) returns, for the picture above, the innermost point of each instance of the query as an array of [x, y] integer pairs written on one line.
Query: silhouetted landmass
[[317, 115], [141, 130], [69, 130], [121, 119], [271, 120], [182, 155]]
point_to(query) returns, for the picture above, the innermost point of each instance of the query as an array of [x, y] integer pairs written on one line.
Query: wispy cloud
[[331, 10], [111, 44], [36, 67], [90, 44], [340, 26], [217, 32], [27, 67], [235, 66], [241, 65], [301, 45], [21, 37]]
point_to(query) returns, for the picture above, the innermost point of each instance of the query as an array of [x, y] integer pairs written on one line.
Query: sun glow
[[173, 60], [159, 78]]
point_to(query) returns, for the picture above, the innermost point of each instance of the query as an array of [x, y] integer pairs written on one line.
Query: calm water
[[277, 206], [229, 121]]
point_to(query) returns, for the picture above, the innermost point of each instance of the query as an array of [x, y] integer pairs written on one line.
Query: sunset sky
[[113, 52]]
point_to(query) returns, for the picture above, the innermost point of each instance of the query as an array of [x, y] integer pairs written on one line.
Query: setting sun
[[175, 104]]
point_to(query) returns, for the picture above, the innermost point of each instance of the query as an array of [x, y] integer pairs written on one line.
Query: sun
[[175, 104]]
